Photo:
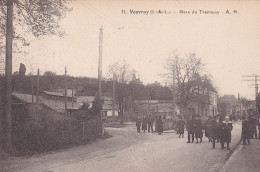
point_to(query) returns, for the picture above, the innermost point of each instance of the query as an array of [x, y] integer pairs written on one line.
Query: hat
[[227, 117]]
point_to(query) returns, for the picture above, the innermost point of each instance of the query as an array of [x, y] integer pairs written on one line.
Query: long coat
[[180, 125], [190, 126], [245, 130], [215, 129], [144, 124], [208, 129], [198, 128], [159, 125], [226, 129], [138, 123]]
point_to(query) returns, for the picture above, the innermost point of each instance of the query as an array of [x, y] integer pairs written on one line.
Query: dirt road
[[130, 151]]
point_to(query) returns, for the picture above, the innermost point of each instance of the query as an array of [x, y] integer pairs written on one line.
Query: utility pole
[[65, 91], [256, 88], [100, 63], [173, 91], [113, 94], [8, 75], [100, 74], [72, 96], [37, 87], [32, 89]]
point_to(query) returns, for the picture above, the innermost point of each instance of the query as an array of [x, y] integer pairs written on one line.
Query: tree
[[49, 73], [22, 69], [37, 17], [192, 82], [123, 73]]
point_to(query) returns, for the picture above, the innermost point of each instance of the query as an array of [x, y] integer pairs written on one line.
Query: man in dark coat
[[150, 123], [215, 131], [245, 135], [190, 128], [138, 124], [208, 129], [253, 123], [180, 126], [226, 129], [198, 129], [144, 123], [159, 125]]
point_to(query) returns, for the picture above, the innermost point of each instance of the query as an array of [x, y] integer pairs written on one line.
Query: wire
[[97, 12]]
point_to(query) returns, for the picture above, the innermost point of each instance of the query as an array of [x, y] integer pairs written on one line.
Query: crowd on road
[[217, 129]]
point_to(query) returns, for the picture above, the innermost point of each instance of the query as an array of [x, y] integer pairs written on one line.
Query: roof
[[27, 98], [59, 94], [85, 99]]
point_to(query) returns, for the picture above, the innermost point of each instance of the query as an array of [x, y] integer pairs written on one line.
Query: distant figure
[[180, 126], [159, 125], [208, 129], [225, 136], [245, 135], [190, 128], [150, 124], [138, 124], [198, 129], [144, 123]]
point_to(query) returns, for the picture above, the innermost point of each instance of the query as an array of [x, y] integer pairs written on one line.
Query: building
[[205, 105], [107, 110]]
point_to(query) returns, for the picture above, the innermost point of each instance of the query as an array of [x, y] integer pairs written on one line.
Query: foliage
[[37, 17], [22, 69], [193, 84]]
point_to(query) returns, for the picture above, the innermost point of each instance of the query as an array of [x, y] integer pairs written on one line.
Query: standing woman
[[198, 129], [159, 125], [144, 124], [226, 129], [181, 127]]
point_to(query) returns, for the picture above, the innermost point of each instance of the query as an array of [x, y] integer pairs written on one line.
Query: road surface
[[130, 151]]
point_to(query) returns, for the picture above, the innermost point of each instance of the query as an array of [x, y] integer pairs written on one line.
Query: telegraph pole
[[32, 89], [100, 63], [256, 88], [113, 94], [8, 76], [173, 90], [65, 91], [37, 87], [100, 74]]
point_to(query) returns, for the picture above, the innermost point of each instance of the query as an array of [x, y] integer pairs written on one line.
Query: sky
[[228, 44]]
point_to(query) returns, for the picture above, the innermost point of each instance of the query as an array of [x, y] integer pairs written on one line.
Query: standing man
[[190, 128], [208, 129], [144, 123], [226, 129], [138, 124], [215, 130], [245, 135], [159, 125], [150, 124], [198, 129]]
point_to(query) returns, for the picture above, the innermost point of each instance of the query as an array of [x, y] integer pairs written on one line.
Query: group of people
[[217, 129], [147, 122]]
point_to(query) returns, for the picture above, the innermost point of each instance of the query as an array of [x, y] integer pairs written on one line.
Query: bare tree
[[123, 73], [189, 75], [37, 17]]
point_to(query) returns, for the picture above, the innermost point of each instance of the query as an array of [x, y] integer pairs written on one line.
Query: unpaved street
[[130, 151]]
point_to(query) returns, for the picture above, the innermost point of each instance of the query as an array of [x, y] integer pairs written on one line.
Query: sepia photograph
[[129, 86]]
